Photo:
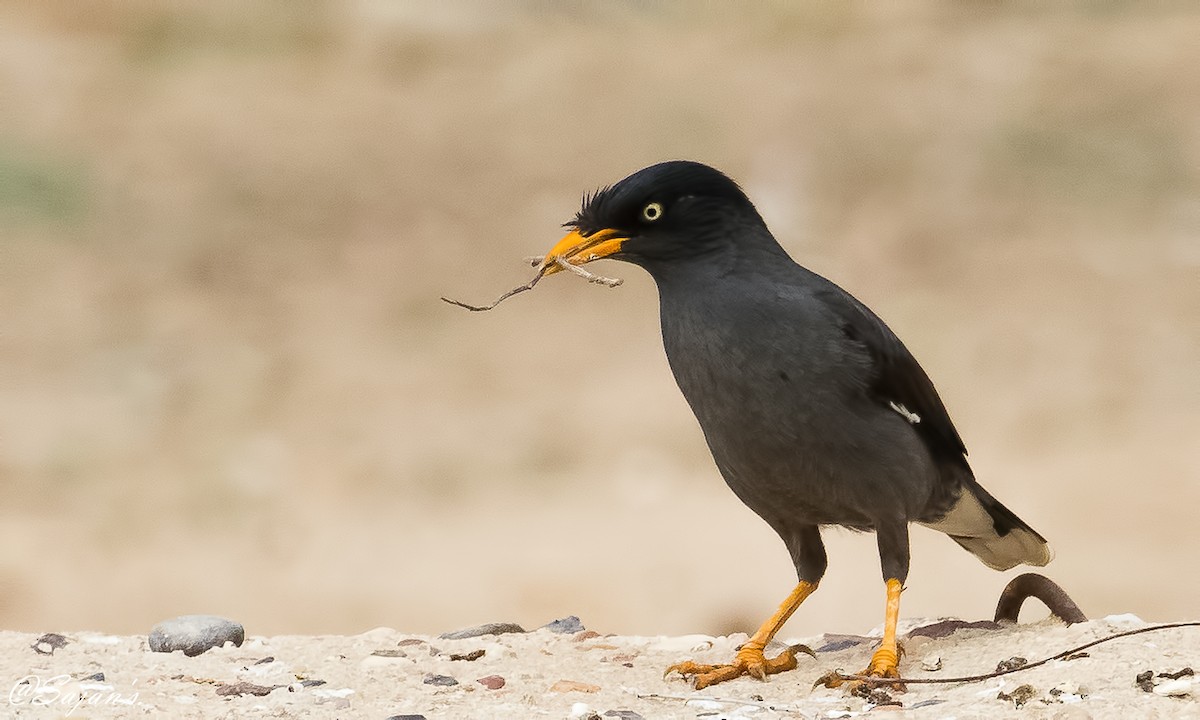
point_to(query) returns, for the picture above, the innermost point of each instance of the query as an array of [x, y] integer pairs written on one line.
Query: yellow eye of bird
[[652, 212]]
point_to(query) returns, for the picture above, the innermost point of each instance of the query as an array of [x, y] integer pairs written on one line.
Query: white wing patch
[[908, 415]]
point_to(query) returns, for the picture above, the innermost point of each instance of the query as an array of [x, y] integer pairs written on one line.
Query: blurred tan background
[[227, 384]]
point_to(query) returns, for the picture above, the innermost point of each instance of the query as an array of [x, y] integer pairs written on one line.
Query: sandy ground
[[385, 672], [227, 384]]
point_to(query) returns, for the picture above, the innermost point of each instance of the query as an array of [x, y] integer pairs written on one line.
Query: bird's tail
[[991, 532]]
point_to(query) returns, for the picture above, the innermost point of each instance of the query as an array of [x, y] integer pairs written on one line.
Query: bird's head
[[663, 213]]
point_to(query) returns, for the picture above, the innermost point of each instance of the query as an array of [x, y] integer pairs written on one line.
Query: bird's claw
[[748, 661], [882, 671]]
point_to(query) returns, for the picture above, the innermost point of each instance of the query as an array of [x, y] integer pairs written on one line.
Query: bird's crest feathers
[[618, 204]]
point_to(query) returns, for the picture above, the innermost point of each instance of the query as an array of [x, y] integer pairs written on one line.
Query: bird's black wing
[[896, 378]]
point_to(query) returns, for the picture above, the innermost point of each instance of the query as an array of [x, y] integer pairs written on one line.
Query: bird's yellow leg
[[886, 660], [750, 659]]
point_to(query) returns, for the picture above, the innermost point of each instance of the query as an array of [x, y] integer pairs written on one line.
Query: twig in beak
[[590, 277], [542, 268]]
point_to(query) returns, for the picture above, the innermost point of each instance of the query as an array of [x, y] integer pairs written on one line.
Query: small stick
[[542, 268], [590, 277], [519, 289]]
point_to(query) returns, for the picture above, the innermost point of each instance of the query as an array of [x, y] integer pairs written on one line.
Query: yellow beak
[[578, 249]]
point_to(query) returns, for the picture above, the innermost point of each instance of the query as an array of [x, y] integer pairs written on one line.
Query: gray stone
[[570, 624], [486, 629], [942, 628], [246, 688], [48, 643], [194, 634], [834, 643]]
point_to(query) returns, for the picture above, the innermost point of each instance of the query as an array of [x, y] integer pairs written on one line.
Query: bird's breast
[[781, 397], [759, 373]]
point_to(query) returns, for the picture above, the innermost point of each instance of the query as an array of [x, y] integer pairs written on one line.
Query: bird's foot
[[748, 661], [882, 671]]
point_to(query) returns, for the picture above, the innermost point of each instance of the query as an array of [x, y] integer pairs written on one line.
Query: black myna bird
[[815, 412]]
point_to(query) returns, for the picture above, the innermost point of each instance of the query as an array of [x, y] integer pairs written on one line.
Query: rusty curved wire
[[1023, 587]]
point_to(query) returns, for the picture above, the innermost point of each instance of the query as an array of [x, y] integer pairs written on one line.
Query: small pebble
[[880, 697], [469, 657], [564, 626], [1020, 695], [444, 680], [944, 628], [1174, 688], [486, 629], [1012, 663], [834, 643], [565, 686], [491, 682], [194, 634], [1145, 681], [245, 688], [48, 643], [1068, 691], [624, 715], [931, 663], [581, 711]]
